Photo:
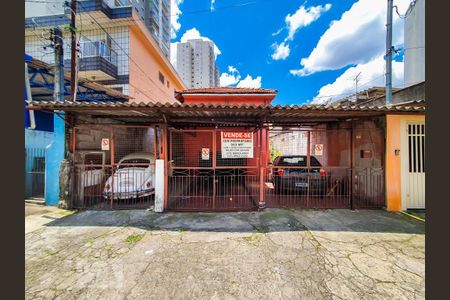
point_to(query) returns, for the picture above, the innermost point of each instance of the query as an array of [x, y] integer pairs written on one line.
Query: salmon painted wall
[[229, 100], [144, 75], [393, 162]]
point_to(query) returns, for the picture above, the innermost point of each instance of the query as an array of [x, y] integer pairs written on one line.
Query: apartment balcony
[[87, 10], [97, 61], [166, 3], [165, 19]]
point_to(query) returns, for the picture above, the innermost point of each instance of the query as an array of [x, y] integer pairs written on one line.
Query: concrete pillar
[[53, 157], [159, 185]]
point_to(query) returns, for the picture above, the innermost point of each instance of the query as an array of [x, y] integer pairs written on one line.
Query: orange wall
[[229, 99], [393, 162], [144, 80]]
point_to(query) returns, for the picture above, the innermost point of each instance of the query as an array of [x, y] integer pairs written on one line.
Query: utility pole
[[356, 79], [73, 60], [55, 152], [58, 94], [389, 52]]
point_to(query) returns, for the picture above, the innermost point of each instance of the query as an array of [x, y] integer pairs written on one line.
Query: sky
[[310, 51]]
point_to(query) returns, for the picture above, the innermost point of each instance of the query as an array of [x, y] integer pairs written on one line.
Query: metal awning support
[[29, 97], [41, 78]]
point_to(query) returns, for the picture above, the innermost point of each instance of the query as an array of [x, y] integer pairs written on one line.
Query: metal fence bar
[[34, 172], [99, 180]]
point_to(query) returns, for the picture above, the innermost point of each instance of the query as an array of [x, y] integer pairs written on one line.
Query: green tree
[[274, 153]]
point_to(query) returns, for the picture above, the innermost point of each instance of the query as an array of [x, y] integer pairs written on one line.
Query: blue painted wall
[[53, 158], [37, 138], [36, 142]]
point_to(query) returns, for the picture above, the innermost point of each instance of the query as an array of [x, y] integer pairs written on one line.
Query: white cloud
[[233, 78], [281, 51], [357, 38], [230, 78], [372, 74], [232, 69], [193, 34], [277, 32], [174, 16], [303, 17], [249, 82]]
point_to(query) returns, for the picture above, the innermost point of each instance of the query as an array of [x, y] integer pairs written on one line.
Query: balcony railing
[[166, 3], [98, 49]]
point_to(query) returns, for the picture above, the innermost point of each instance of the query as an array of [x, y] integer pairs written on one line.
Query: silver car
[[134, 177]]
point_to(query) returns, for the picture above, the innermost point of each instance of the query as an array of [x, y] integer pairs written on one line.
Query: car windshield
[[134, 162], [298, 161]]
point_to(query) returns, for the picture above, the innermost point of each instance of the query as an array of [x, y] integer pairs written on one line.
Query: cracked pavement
[[272, 254]]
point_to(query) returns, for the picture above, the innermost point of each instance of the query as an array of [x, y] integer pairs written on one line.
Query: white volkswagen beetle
[[134, 177]]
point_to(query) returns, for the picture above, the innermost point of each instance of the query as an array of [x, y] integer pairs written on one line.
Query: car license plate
[[301, 184]]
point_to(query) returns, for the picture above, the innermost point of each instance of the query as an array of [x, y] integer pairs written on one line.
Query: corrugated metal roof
[[416, 106]]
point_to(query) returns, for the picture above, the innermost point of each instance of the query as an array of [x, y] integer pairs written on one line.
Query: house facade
[[213, 152]]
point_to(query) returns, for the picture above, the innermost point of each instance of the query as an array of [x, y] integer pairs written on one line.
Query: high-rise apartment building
[[155, 14], [115, 46], [196, 64]]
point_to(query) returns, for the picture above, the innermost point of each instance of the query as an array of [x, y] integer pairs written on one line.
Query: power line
[[222, 7], [408, 11], [81, 35]]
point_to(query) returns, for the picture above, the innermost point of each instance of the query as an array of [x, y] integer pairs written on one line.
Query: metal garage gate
[[203, 177], [35, 173], [114, 167], [315, 168]]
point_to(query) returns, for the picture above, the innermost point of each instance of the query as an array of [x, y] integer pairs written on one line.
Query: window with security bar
[[416, 148]]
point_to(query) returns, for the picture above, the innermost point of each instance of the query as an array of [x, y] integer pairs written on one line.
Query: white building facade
[[196, 64], [415, 43]]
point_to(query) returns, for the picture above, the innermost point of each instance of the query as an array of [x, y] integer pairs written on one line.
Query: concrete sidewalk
[[37, 215], [273, 254]]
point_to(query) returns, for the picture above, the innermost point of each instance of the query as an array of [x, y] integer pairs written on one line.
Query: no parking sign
[[105, 144], [205, 153], [318, 149]]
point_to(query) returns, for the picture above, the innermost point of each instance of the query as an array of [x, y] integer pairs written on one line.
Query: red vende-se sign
[[237, 135], [237, 144]]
